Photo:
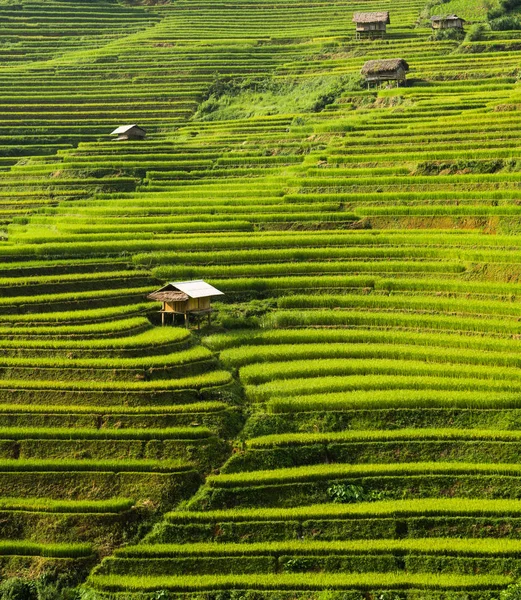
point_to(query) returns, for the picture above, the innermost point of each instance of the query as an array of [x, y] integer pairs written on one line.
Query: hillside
[[349, 427]]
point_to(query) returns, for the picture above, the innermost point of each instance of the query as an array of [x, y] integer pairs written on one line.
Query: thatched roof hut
[[389, 69], [185, 298], [447, 22], [371, 24], [372, 17]]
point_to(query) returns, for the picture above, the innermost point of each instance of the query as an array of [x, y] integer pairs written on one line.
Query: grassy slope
[[322, 186]]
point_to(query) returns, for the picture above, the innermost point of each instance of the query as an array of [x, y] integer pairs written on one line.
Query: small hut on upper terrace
[[389, 69], [447, 22], [371, 24], [186, 298], [129, 132]]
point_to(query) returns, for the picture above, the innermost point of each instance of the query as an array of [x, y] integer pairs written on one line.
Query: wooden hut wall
[[368, 27], [198, 304], [398, 75], [193, 304]]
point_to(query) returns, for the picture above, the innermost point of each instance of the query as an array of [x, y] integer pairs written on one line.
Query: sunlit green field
[[348, 426]]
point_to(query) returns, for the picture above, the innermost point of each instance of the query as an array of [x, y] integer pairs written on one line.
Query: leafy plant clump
[[18, 589], [513, 592], [350, 494], [502, 8], [448, 34], [46, 588], [246, 315], [505, 23], [476, 33]]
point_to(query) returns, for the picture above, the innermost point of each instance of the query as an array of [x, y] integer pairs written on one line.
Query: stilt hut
[[447, 22], [186, 298], [380, 71], [129, 132], [371, 24]]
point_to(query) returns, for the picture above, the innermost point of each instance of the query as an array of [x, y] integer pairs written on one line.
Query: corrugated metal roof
[[125, 128], [447, 18], [197, 288]]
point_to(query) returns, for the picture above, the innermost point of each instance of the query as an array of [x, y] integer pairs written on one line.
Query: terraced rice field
[[350, 426]]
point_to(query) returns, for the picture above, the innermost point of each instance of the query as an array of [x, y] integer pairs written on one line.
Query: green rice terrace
[[348, 426]]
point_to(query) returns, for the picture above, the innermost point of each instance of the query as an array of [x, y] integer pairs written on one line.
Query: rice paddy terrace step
[[68, 521], [291, 585], [459, 556], [392, 519]]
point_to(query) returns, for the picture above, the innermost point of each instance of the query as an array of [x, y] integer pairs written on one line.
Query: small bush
[[241, 316], [513, 592], [349, 494], [448, 34], [505, 23], [298, 565], [476, 33], [54, 592], [18, 589], [503, 7]]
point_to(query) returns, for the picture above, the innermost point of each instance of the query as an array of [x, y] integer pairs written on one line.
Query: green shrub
[[53, 591], [346, 493], [502, 7], [513, 592], [505, 23], [454, 33], [18, 589], [476, 33]]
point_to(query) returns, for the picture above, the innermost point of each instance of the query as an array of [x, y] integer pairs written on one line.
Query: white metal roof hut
[[447, 22], [371, 24], [129, 132], [390, 69], [186, 298]]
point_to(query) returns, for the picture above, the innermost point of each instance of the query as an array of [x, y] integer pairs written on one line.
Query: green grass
[[394, 508], [366, 581], [331, 472], [210, 379], [370, 238], [475, 10], [290, 439], [179, 433], [114, 466], [47, 505], [246, 355], [372, 395], [194, 408], [367, 365], [23, 548], [464, 547]]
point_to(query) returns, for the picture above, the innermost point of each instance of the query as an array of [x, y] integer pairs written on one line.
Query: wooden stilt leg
[[163, 319]]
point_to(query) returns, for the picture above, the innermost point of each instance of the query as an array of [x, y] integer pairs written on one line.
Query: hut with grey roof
[[129, 132], [447, 22], [186, 298], [381, 71], [371, 24]]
